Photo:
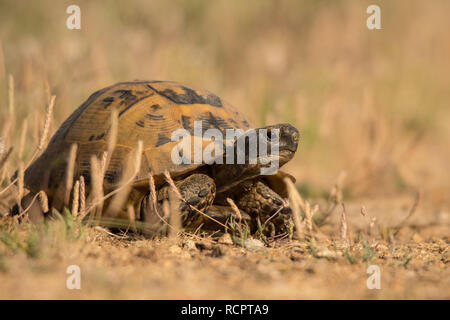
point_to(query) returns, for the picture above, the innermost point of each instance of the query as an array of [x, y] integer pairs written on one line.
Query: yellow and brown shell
[[148, 111]]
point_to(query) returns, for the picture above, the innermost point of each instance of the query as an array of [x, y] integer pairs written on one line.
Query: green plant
[[368, 253], [349, 256]]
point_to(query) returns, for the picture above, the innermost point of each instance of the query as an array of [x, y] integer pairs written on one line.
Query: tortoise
[[151, 111]]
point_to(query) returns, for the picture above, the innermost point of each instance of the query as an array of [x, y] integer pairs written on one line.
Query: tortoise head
[[257, 152], [283, 137]]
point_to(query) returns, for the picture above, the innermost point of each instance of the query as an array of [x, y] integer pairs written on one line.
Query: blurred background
[[372, 105]]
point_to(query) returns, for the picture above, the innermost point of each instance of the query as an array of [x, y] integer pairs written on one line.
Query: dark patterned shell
[[149, 111]]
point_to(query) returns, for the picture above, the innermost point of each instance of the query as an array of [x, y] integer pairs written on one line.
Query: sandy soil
[[413, 265]]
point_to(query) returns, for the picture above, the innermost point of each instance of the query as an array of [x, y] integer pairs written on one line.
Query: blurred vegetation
[[371, 103]]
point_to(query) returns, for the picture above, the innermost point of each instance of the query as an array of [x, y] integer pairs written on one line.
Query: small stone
[[446, 256], [175, 249], [226, 239], [189, 245], [253, 244], [326, 253]]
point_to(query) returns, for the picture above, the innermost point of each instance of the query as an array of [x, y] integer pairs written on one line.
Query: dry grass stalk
[[43, 201], [336, 192], [366, 216], [153, 197], [2, 146], [208, 217], [373, 220], [23, 137], [304, 206], [11, 105], [36, 196], [82, 209], [166, 210], [173, 211], [138, 157], [364, 211], [336, 196], [76, 199], [235, 208], [47, 124], [6, 130], [70, 173], [132, 167], [273, 215], [119, 199], [315, 209], [175, 215], [112, 139], [106, 231], [36, 127], [172, 185], [103, 162], [136, 168], [132, 217], [154, 200], [294, 201], [4, 158], [97, 188], [343, 227], [2, 175], [4, 151], [410, 213], [180, 197], [20, 183], [308, 217]]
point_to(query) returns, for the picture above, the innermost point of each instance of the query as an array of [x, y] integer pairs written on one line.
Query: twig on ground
[[411, 212]]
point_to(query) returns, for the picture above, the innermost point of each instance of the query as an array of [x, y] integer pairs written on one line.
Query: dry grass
[[70, 173], [372, 107]]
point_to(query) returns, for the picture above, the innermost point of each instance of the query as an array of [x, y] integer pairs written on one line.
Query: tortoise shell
[[149, 111]]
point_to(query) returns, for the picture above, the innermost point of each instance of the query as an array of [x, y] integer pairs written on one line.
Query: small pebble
[[326, 253], [226, 239], [189, 245], [253, 244]]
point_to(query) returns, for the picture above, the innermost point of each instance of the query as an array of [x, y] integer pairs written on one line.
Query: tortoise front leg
[[260, 201], [222, 214], [30, 202], [198, 192]]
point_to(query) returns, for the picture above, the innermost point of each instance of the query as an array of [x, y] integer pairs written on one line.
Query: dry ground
[[414, 264], [372, 104]]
